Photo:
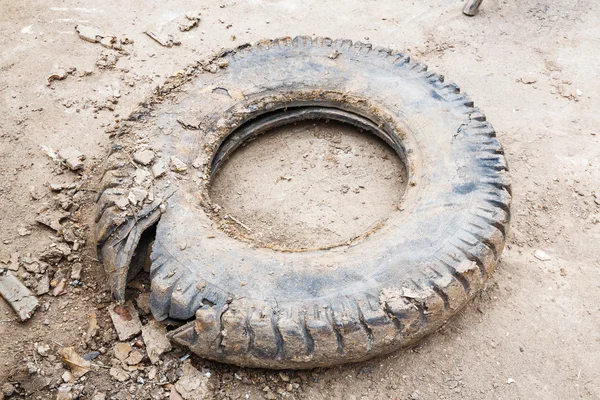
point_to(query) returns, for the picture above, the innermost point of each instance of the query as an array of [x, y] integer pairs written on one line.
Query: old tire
[[262, 307]]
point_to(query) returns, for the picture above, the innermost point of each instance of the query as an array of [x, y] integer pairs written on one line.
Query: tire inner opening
[[306, 184]]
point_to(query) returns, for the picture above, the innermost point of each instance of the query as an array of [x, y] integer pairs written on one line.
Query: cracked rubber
[[262, 307]]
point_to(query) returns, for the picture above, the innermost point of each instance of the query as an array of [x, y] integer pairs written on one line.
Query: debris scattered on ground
[[334, 54], [95, 35], [92, 329], [191, 21], [119, 374], [18, 296], [143, 157], [52, 218], [155, 338], [57, 75], [167, 40], [158, 170], [76, 363], [122, 350], [126, 320], [542, 256], [193, 384], [176, 165], [71, 157]]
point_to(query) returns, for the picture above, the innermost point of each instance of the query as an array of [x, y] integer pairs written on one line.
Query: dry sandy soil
[[531, 65]]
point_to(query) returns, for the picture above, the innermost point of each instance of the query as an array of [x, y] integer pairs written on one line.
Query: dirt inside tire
[[251, 289], [309, 185]]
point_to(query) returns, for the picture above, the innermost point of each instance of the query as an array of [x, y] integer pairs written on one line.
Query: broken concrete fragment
[[119, 374], [122, 203], [134, 358], [52, 219], [155, 338], [143, 303], [140, 176], [14, 262], [92, 329], [158, 170], [122, 350], [18, 296], [164, 40], [193, 384], [57, 75], [177, 165], [143, 157], [72, 158], [191, 21], [137, 196], [126, 320], [89, 33], [60, 288], [541, 255], [76, 363], [43, 285], [76, 271]]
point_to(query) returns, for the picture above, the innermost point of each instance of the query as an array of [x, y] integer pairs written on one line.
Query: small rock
[[64, 393], [60, 288], [43, 350], [43, 285], [72, 158], [542, 256], [57, 75], [122, 350], [144, 157], [92, 329], [99, 396], [134, 358], [155, 338], [126, 320], [18, 296], [92, 355], [14, 262], [510, 380], [141, 175], [76, 271], [137, 196], [158, 170], [176, 165], [8, 389], [143, 303], [578, 92], [68, 377], [89, 33], [119, 374], [193, 384], [528, 79]]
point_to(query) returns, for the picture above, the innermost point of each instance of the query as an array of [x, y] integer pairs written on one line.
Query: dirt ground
[[532, 66]]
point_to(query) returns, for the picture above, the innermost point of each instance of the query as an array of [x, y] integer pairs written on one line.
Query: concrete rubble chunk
[[177, 165], [18, 296], [158, 170], [155, 338], [125, 320], [72, 158], [193, 384], [122, 350], [143, 157], [89, 33]]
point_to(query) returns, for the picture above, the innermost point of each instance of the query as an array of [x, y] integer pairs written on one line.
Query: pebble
[[91, 355], [72, 157], [76, 271], [119, 374], [122, 350], [176, 165], [542, 256], [158, 170], [192, 384], [134, 358], [143, 157], [126, 320], [43, 350], [155, 338]]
